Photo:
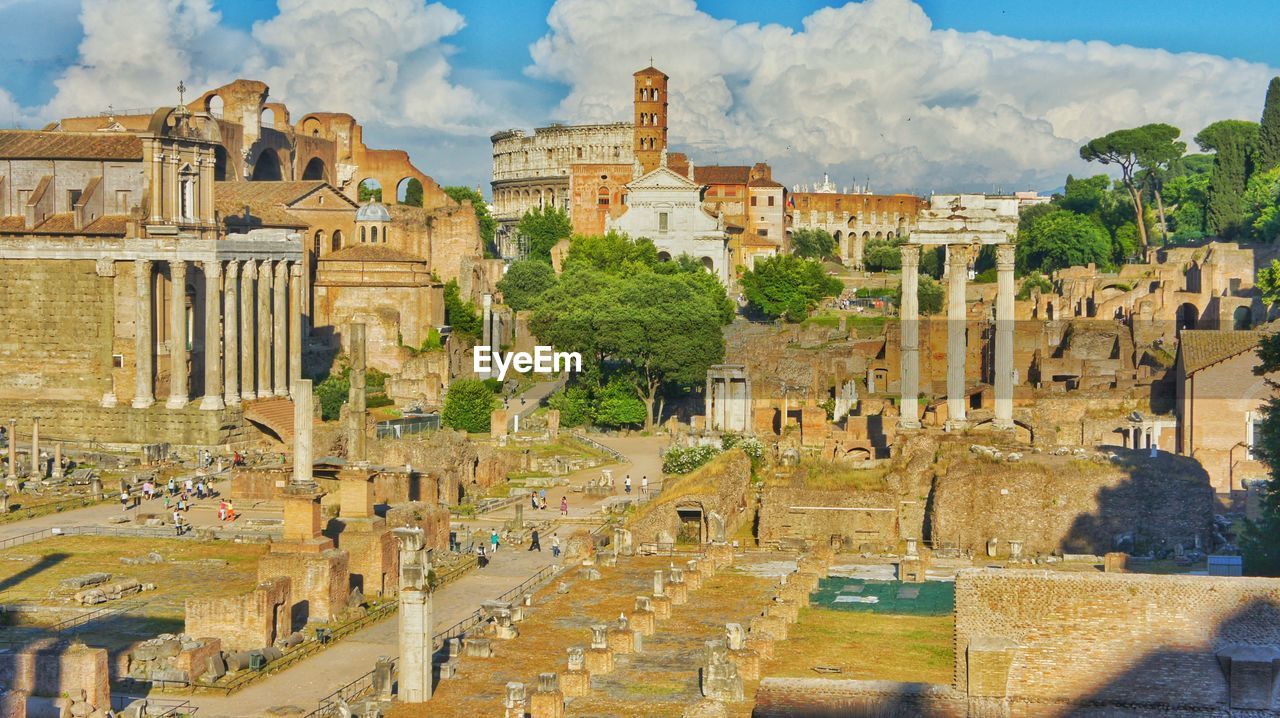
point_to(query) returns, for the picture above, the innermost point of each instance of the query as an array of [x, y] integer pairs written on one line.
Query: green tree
[[332, 393], [1188, 196], [368, 192], [1269, 283], [932, 261], [616, 405], [413, 193], [1124, 242], [1269, 129], [467, 406], [612, 252], [1149, 148], [1233, 143], [461, 315], [1262, 205], [812, 243], [543, 228], [882, 255], [1061, 239], [929, 295], [524, 282], [1260, 540], [574, 405], [488, 225], [788, 286], [1083, 196]]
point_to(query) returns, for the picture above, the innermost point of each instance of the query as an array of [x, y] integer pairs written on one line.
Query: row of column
[[957, 280], [37, 470], [253, 332]]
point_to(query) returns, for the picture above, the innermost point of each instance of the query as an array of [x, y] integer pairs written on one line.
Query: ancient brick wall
[[320, 582], [1134, 639], [1216, 422], [243, 622], [719, 487], [57, 319], [431, 518], [823, 698], [806, 513], [122, 424], [54, 669], [1060, 504]]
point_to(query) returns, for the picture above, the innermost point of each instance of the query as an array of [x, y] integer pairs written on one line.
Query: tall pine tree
[[1234, 143], [1269, 133]]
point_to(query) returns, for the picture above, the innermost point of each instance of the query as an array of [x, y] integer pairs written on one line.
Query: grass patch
[[826, 475], [867, 646], [702, 480]]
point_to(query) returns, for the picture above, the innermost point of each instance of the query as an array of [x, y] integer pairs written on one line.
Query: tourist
[[533, 501], [173, 487], [481, 559], [200, 489], [555, 546], [494, 540], [626, 484], [189, 487], [533, 542], [148, 490], [177, 523], [222, 511], [644, 485], [124, 499], [564, 505], [182, 502]]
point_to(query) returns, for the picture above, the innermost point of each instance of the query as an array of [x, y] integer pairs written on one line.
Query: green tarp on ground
[[932, 598]]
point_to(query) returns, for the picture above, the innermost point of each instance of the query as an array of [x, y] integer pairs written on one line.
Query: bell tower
[[650, 117]]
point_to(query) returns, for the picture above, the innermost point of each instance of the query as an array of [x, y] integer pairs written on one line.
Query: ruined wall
[[320, 582], [243, 622], [1128, 639], [57, 669], [1059, 504], [720, 487], [790, 513], [57, 319], [431, 518], [122, 424], [462, 467]]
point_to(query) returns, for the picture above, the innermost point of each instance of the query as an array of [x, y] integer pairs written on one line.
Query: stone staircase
[[274, 414]]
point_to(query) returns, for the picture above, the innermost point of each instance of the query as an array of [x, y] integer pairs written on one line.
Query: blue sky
[[487, 78]]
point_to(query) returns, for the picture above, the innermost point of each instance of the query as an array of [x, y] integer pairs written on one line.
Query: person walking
[[644, 485], [533, 501], [173, 487], [177, 523], [533, 543], [190, 487], [555, 546], [494, 540], [124, 499], [148, 490], [481, 559], [564, 505], [222, 511], [626, 484]]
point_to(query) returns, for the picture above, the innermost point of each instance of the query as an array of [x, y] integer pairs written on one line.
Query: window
[[362, 234], [602, 197], [662, 221], [579, 153], [337, 239], [770, 200], [762, 232], [373, 233], [1253, 432], [73, 196], [753, 200]]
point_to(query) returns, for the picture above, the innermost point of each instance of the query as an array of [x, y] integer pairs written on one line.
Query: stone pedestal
[[478, 648], [57, 472], [514, 702], [761, 644], [747, 663], [643, 619], [720, 678], [622, 640], [720, 555], [775, 626], [693, 579], [575, 684], [806, 580], [787, 610], [548, 700], [678, 593], [795, 593], [302, 522], [661, 607], [812, 564], [912, 570], [1115, 562], [415, 644], [598, 661]]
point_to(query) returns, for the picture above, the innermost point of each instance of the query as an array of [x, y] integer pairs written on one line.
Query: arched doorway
[[709, 264], [1188, 314], [267, 168], [315, 170], [664, 256], [1241, 319]]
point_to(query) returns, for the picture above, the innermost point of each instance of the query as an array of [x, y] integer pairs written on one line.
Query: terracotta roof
[[764, 183], [754, 240], [64, 223], [1201, 348], [267, 201], [722, 174], [33, 145], [650, 70], [370, 253]]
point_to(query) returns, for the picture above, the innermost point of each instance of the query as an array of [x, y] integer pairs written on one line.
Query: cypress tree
[[1269, 132], [1234, 143]]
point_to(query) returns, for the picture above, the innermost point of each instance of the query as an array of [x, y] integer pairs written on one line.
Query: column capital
[[212, 268], [295, 269], [233, 269], [1005, 254], [958, 255], [910, 255], [144, 264], [264, 268]]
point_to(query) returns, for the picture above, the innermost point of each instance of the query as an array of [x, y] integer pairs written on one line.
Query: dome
[[373, 212]]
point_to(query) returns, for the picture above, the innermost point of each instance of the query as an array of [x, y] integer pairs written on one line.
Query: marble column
[[303, 426], [37, 471], [212, 400], [12, 476], [57, 472], [178, 392], [264, 329], [231, 334], [909, 326], [957, 280], [144, 392], [356, 400], [415, 617], [1004, 336], [248, 340], [295, 322], [280, 332]]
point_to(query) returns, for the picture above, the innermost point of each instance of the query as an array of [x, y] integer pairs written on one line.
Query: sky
[[917, 96]]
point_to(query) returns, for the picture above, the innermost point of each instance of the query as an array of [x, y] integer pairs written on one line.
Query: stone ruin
[[719, 676], [170, 660], [75, 675]]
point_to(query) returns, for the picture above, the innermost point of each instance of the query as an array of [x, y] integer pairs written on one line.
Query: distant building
[[752, 204], [853, 218]]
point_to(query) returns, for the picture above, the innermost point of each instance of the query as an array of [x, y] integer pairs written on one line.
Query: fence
[[167, 707], [400, 428], [613, 454]]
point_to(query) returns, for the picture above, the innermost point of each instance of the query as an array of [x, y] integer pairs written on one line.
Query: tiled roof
[[761, 182], [1201, 348], [721, 174], [750, 239], [64, 223], [370, 253], [32, 145], [267, 201], [650, 70]]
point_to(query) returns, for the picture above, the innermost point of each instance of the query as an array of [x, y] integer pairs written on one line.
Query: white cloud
[[384, 61], [872, 89]]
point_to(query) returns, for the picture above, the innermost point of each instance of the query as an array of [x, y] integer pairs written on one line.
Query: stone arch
[[1241, 319], [838, 236], [866, 236], [311, 127], [1188, 315], [370, 188], [888, 236], [214, 105], [267, 118], [220, 163], [879, 235], [858, 453], [602, 196], [315, 170], [268, 168], [664, 256], [709, 264]]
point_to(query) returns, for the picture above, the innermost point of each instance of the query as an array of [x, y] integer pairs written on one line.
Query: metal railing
[[613, 453], [51, 507], [171, 707], [91, 616], [400, 428], [26, 538]]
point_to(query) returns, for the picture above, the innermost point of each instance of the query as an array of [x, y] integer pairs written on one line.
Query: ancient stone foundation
[[48, 668], [244, 622]]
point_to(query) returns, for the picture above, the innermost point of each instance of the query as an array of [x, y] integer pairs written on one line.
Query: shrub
[[683, 459], [467, 406]]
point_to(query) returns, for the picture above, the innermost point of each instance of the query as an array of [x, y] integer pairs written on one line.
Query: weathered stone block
[[598, 661]]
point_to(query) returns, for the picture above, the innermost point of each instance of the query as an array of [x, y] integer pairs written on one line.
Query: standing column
[[295, 323], [231, 334], [958, 275], [37, 471], [415, 616], [57, 472], [1004, 336], [177, 335], [280, 331], [143, 392], [708, 403], [248, 274], [356, 401], [303, 426], [909, 327], [12, 477], [264, 329], [212, 400]]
